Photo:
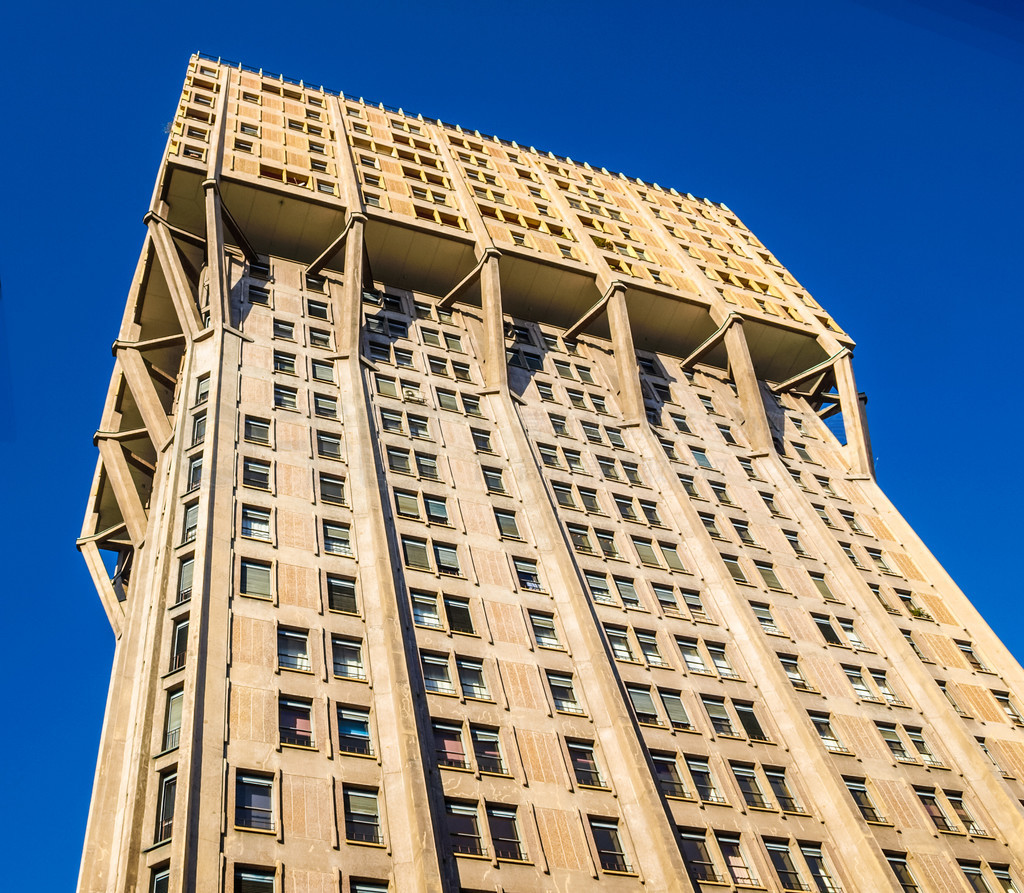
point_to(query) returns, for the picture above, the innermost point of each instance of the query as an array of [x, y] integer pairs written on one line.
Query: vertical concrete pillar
[[216, 280], [495, 367]]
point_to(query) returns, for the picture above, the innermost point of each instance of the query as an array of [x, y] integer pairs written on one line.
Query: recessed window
[[341, 594], [254, 802], [296, 722]]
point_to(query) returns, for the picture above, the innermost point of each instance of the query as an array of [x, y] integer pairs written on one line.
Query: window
[[319, 338], [190, 522], [975, 879], [862, 798], [448, 745], [666, 772], [341, 594], [609, 846], [161, 881], [860, 687], [732, 564], [285, 397], [691, 655], [879, 561], [165, 806], [643, 704], [819, 582], [828, 632], [673, 704], [482, 441], [296, 722], [256, 474], [354, 731], [782, 861], [254, 579], [487, 750], [895, 742], [179, 644], [710, 526], [748, 719], [293, 649], [347, 657], [255, 523], [671, 556], [332, 489], [768, 574], [720, 660], [328, 446], [256, 430], [777, 782], [336, 539], [931, 805], [689, 486], [721, 721], [696, 856], [284, 362], [645, 551], [185, 573], [1002, 875], [362, 815], [562, 693], [424, 610], [471, 678], [750, 787], [769, 502], [501, 821], [898, 864], [507, 526], [741, 872], [526, 574], [701, 458], [172, 719], [967, 650], [316, 309], [922, 747], [202, 389], [464, 828], [254, 802], [648, 643], [632, 473], [823, 726], [791, 665], [254, 880], [666, 598], [436, 674], [703, 780], [195, 473], [1009, 708], [544, 632]]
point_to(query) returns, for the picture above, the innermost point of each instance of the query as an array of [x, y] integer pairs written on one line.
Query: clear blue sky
[[873, 145]]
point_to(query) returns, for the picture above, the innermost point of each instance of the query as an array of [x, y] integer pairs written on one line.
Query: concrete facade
[[478, 527]]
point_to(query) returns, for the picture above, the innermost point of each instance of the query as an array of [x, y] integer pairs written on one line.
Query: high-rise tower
[[477, 527]]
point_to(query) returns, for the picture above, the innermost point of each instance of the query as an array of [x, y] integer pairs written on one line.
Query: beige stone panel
[[252, 715], [299, 880], [306, 807], [861, 736], [252, 641], [249, 80], [249, 112], [944, 650], [880, 528], [255, 356], [981, 703], [255, 392], [506, 622], [1009, 755], [541, 757], [288, 302], [273, 153], [465, 473], [935, 606], [523, 686], [937, 872], [797, 623], [900, 805], [907, 567], [293, 480], [492, 567], [291, 436], [297, 586], [826, 674], [294, 141], [497, 232], [401, 205], [246, 165], [562, 837], [272, 118], [293, 109], [478, 517], [390, 166], [296, 530]]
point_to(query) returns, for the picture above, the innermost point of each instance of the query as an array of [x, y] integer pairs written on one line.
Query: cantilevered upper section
[[294, 161]]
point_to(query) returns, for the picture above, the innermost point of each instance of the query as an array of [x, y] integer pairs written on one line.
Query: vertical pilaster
[[219, 306], [858, 443], [411, 822], [495, 367]]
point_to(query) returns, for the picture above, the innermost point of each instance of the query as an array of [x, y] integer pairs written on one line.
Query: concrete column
[[216, 281], [631, 396], [495, 367], [177, 282], [858, 443]]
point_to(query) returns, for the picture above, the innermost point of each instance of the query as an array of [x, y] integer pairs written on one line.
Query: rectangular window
[[609, 845], [293, 649], [562, 693], [255, 522], [673, 704], [165, 806], [507, 526], [190, 522], [332, 489], [172, 719], [448, 746], [255, 474], [584, 763], [526, 574], [347, 657], [464, 828], [436, 674], [362, 815], [256, 430], [487, 750], [341, 594], [296, 722], [703, 780], [254, 880], [179, 644], [501, 821], [460, 619], [336, 539], [782, 861], [254, 802], [898, 864], [354, 731], [471, 678], [721, 722], [328, 446], [666, 771]]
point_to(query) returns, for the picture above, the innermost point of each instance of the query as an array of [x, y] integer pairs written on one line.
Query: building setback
[[477, 527]]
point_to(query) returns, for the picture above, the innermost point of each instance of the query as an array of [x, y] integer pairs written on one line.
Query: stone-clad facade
[[478, 527]]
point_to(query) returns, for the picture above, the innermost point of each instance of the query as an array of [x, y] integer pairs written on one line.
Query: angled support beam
[[140, 383], [449, 299], [631, 396], [127, 434], [811, 371], [151, 344], [828, 411], [495, 367], [858, 441], [178, 233], [748, 389], [712, 340], [177, 282], [595, 312], [104, 588], [101, 535], [314, 268], [231, 224], [120, 478]]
